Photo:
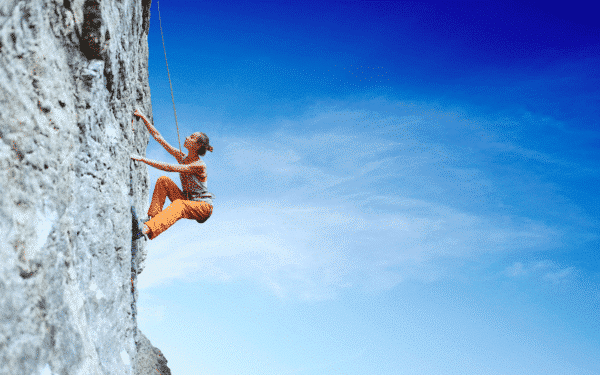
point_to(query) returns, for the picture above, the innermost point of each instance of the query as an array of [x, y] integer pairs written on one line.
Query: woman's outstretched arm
[[170, 149], [196, 167]]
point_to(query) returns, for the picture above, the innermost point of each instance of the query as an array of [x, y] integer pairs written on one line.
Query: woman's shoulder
[[197, 166], [198, 162]]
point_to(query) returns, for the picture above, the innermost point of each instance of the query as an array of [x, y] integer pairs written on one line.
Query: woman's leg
[[179, 209], [164, 188]]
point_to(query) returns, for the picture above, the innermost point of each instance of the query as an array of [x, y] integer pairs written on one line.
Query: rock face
[[72, 73], [150, 359]]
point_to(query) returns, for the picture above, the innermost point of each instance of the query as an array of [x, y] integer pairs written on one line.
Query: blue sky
[[401, 188]]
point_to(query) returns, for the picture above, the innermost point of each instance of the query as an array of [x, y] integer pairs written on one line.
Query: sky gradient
[[401, 188]]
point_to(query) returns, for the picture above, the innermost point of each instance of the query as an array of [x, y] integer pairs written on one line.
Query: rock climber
[[194, 202]]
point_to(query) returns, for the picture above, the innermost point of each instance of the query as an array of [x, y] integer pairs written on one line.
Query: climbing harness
[[169, 74]]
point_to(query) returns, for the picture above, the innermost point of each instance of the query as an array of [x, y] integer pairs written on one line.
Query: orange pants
[[179, 208]]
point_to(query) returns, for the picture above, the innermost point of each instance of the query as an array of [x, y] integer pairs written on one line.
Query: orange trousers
[[180, 207]]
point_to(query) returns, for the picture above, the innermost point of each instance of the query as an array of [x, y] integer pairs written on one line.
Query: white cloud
[[314, 251], [308, 215], [150, 312], [545, 270], [560, 275], [516, 269]]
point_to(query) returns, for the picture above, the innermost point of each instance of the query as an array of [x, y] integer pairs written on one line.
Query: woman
[[195, 202]]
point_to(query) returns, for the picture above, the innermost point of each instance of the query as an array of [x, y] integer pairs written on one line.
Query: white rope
[[172, 98]]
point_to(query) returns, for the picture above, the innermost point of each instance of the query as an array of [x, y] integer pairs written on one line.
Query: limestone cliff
[[72, 73]]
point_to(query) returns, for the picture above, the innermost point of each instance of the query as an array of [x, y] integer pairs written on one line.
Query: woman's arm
[[181, 168], [170, 149]]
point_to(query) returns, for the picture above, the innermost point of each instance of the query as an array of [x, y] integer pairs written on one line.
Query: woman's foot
[[140, 229], [137, 234]]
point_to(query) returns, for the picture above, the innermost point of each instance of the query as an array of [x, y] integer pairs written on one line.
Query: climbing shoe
[[137, 226]]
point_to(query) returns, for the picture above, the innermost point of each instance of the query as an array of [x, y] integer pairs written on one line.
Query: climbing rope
[[172, 98]]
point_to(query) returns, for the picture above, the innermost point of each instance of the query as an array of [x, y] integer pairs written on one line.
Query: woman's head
[[198, 141]]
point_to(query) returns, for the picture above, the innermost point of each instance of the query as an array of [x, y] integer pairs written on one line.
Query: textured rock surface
[[150, 360], [72, 73]]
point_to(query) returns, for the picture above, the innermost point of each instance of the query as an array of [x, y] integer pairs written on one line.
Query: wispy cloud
[[151, 309], [516, 269], [560, 275], [310, 214], [545, 270]]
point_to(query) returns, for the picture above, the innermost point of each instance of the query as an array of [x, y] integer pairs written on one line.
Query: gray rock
[[150, 359], [71, 75]]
